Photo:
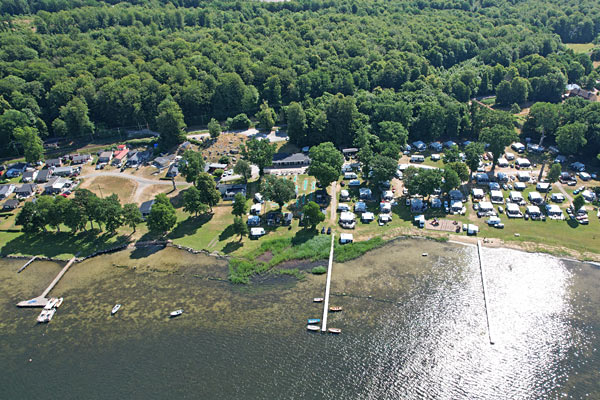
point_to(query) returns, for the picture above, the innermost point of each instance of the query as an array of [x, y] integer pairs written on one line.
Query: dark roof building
[[146, 207], [29, 176], [173, 171], [26, 190], [228, 191], [53, 162], [284, 160], [10, 204], [81, 159], [43, 176]]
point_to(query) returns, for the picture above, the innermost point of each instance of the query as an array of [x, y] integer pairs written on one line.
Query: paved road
[[564, 192]]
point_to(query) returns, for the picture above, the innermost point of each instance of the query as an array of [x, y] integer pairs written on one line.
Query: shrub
[[320, 270]]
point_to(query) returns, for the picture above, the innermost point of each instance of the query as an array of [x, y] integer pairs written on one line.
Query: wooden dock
[[26, 264], [485, 295], [328, 285], [41, 300]]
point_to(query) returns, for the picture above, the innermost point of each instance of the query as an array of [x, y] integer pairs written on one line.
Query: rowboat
[[334, 330], [318, 299], [115, 309], [335, 308], [58, 303], [313, 321], [176, 313], [314, 328]]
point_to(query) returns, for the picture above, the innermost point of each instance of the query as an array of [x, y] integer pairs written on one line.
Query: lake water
[[413, 328]]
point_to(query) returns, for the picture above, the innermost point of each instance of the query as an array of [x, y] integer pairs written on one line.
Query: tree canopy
[[279, 190], [325, 163]]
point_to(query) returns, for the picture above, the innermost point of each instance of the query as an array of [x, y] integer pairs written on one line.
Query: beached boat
[[59, 302], [42, 317], [50, 304], [115, 309], [176, 313], [314, 328], [318, 299], [335, 308], [334, 330], [313, 321]]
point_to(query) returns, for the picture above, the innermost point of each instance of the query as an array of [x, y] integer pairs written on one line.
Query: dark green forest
[[350, 72]]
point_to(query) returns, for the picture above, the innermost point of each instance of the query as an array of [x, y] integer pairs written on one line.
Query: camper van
[[417, 158]]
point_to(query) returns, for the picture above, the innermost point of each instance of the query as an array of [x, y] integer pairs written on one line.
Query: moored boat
[[50, 314], [335, 308], [313, 321], [314, 328], [58, 303], [42, 317], [318, 299], [334, 330], [176, 313], [115, 309], [50, 303]]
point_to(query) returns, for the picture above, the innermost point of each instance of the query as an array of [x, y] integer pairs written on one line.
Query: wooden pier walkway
[[26, 264], [41, 300], [328, 285], [485, 295]]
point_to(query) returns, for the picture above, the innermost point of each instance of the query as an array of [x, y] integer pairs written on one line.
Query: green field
[[580, 47]]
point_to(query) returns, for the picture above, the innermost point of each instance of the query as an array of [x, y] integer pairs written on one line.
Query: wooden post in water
[[327, 285]]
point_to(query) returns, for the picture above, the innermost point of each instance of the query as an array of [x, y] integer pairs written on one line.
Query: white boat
[[50, 314], [50, 304], [42, 317], [176, 313], [115, 309], [314, 328], [58, 303], [334, 330], [318, 299]]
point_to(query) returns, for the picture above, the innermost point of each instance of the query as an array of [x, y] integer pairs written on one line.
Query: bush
[[218, 173], [224, 160], [240, 121], [320, 270]]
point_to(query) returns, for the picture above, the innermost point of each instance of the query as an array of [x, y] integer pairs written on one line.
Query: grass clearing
[[580, 47], [104, 186]]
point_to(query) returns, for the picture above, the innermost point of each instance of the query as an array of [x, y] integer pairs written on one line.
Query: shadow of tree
[[146, 251], [572, 223], [232, 246], [189, 226], [227, 233], [52, 244], [177, 200], [303, 235]]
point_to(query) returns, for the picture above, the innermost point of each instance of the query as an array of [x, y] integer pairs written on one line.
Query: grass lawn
[[580, 47], [104, 186]]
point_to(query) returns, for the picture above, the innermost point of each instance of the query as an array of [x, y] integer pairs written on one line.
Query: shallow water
[[413, 327]]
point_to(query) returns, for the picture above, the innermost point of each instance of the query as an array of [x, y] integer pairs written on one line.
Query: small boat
[[50, 315], [313, 321], [318, 300], [424, 254], [115, 309], [334, 330], [42, 317], [314, 328], [176, 313], [58, 303], [335, 308], [50, 304]]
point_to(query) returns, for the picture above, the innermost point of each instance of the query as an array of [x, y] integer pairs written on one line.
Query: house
[[10, 204], [26, 190], [554, 211], [105, 157], [575, 90], [120, 155], [347, 220], [543, 187], [212, 167], [253, 220], [513, 211], [523, 176], [137, 158], [64, 171], [523, 163], [43, 176], [346, 238], [419, 145], [228, 191], [6, 190], [349, 152], [360, 207], [53, 162], [184, 146], [516, 197], [557, 197], [146, 207], [296, 160], [15, 169], [29, 176], [57, 185], [255, 233], [81, 159], [535, 198], [367, 217], [173, 171], [477, 193], [496, 197], [365, 193]]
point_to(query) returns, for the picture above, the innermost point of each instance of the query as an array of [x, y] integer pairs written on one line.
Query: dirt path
[[333, 202], [564, 192]]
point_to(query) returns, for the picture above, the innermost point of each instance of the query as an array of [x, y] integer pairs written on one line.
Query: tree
[[384, 168], [554, 173], [279, 190], [571, 137], [192, 201], [460, 168], [75, 116], [543, 117], [29, 218], [214, 128], [239, 205], [45, 212], [243, 169], [31, 142], [73, 216], [88, 203], [113, 212], [578, 202], [162, 216], [239, 122], [296, 123], [266, 117], [209, 194], [451, 180], [365, 155], [451, 155], [259, 152], [498, 137], [312, 214], [240, 227], [391, 131], [472, 153], [422, 181], [192, 164], [131, 215], [325, 163], [170, 124]]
